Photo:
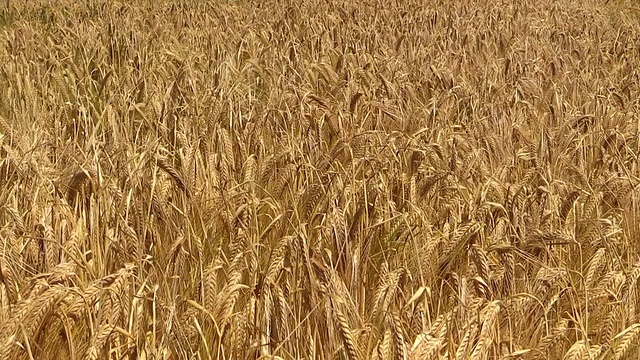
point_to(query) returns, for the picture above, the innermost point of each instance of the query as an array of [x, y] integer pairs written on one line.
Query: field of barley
[[319, 179]]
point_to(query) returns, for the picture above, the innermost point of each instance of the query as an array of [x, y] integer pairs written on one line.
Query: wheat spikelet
[[633, 276], [341, 296], [440, 325], [7, 347], [383, 350], [164, 164], [286, 176], [267, 169], [412, 188], [210, 283], [113, 307], [17, 219], [594, 266], [417, 318], [238, 335], [276, 261], [99, 340], [357, 146], [482, 264], [62, 273], [51, 248], [400, 348], [312, 195], [249, 170], [70, 248], [624, 340], [213, 176], [83, 302], [309, 342], [590, 207], [577, 351], [40, 310], [239, 243], [282, 313], [630, 295], [345, 334], [386, 292], [613, 282], [230, 292], [463, 348], [509, 272], [489, 315], [558, 332], [247, 324], [567, 205], [227, 146], [594, 352], [7, 277], [9, 328], [191, 159]]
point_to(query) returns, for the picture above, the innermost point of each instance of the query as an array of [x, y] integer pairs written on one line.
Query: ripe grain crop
[[332, 179]]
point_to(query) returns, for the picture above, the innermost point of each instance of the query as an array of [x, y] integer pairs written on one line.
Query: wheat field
[[330, 179]]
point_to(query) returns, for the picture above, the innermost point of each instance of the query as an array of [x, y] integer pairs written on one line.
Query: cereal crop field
[[319, 179]]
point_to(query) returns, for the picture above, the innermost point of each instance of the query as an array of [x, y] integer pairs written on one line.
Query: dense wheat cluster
[[329, 179]]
